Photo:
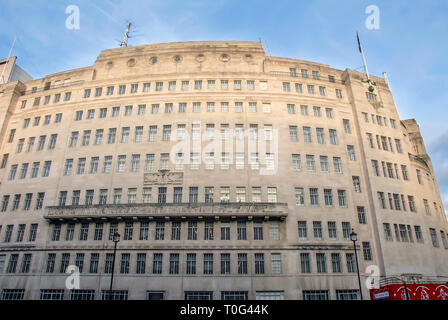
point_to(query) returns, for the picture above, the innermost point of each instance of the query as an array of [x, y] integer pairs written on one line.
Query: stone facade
[[124, 143]]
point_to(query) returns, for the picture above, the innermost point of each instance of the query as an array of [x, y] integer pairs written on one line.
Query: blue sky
[[411, 44]]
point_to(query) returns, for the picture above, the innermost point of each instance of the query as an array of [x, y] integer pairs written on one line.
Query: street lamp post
[[115, 239], [354, 238]]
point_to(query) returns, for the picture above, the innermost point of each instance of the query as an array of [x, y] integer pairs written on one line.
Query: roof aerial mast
[[126, 36]]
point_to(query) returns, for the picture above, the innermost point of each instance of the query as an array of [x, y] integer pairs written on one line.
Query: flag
[[359, 42]]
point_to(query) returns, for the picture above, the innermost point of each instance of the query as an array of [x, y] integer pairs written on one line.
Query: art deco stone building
[[228, 173]]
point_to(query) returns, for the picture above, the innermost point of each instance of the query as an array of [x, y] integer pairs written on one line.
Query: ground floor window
[[198, 295], [12, 294], [316, 295], [270, 295], [347, 294], [82, 294], [234, 295], [115, 295], [51, 294], [156, 295]]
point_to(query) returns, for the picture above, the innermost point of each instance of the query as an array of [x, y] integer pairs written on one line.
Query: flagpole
[[363, 57], [7, 61]]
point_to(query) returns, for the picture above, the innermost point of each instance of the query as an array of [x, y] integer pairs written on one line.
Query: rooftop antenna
[[126, 36], [265, 46], [7, 60]]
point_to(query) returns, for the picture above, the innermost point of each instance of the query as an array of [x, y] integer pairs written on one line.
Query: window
[[174, 263], [366, 251], [351, 153], [110, 91], [197, 84], [242, 263], [53, 139], [434, 239], [90, 114], [4, 161], [161, 199], [121, 163], [347, 294], [208, 230], [125, 134], [252, 107], [276, 263], [427, 209], [274, 230], [122, 89], [356, 183], [157, 263], [86, 138], [371, 96], [191, 263], [317, 230], [310, 89], [314, 197], [338, 93], [387, 232], [332, 231], [302, 230], [321, 263], [324, 163], [225, 230], [336, 262], [27, 203], [361, 215], [64, 262], [128, 110], [272, 194], [5, 202], [323, 91], [225, 263], [259, 263], [39, 201], [192, 230], [208, 263], [12, 294], [258, 230], [304, 73], [124, 264], [286, 87], [128, 230], [307, 134], [305, 265], [115, 112]]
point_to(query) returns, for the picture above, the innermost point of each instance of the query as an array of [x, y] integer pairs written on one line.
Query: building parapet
[[274, 211]]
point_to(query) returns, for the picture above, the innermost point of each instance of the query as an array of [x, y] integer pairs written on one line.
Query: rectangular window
[[191, 263], [174, 263], [242, 263], [361, 215], [259, 263], [317, 230], [208, 230], [305, 265], [366, 251], [208, 263], [302, 230], [321, 263]]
